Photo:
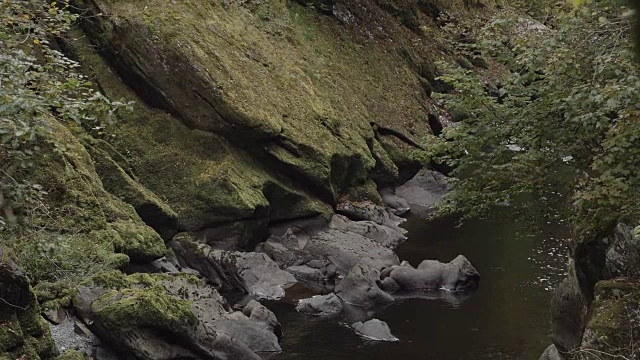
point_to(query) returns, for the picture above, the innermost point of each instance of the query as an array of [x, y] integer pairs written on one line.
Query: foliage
[[38, 85], [560, 117]]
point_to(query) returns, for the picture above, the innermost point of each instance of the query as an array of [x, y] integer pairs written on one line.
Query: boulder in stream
[[457, 275], [374, 329], [360, 287], [320, 305]]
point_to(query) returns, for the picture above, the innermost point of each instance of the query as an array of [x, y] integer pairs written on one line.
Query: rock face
[[158, 317], [424, 192], [614, 326], [254, 273], [24, 334], [595, 310], [374, 329], [457, 275], [568, 313]]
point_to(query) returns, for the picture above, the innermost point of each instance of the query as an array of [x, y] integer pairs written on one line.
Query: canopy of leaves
[[560, 116]]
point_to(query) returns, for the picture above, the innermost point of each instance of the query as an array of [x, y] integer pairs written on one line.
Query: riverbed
[[520, 264]]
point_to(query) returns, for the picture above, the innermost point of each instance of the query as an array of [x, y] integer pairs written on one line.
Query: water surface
[[506, 318]]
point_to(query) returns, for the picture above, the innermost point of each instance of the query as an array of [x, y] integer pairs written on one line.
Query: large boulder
[[457, 275], [568, 314], [315, 248], [253, 273], [360, 287], [24, 334], [424, 192], [374, 329], [163, 317], [320, 305]]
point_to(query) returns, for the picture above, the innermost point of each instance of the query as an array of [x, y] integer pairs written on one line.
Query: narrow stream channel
[[507, 318]]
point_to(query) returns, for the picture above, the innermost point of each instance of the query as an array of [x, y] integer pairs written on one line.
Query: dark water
[[507, 318]]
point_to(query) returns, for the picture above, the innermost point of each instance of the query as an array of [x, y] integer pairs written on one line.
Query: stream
[[506, 318]]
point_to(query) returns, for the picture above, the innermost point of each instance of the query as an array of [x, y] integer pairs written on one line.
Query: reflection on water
[[507, 318]]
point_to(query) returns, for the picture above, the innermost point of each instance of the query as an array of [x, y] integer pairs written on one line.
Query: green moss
[[152, 308], [615, 320]]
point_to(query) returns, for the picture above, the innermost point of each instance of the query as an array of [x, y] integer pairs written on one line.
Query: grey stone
[[320, 305], [568, 314], [369, 211], [457, 275], [360, 287], [55, 316], [551, 353], [374, 329], [254, 273], [399, 205], [424, 192], [81, 329]]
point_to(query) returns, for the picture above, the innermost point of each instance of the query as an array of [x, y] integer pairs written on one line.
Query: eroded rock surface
[[251, 272], [320, 305]]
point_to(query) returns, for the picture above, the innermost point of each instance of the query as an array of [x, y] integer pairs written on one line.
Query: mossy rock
[[615, 319], [71, 355], [23, 332]]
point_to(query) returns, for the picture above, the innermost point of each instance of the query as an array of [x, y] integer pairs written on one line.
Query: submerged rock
[[374, 329], [457, 275], [320, 305], [424, 192], [254, 273]]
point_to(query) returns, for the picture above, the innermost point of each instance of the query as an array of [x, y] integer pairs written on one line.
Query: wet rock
[[457, 275], [360, 287], [320, 305], [374, 329], [551, 353], [369, 211], [568, 313], [424, 192], [163, 317], [254, 273]]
